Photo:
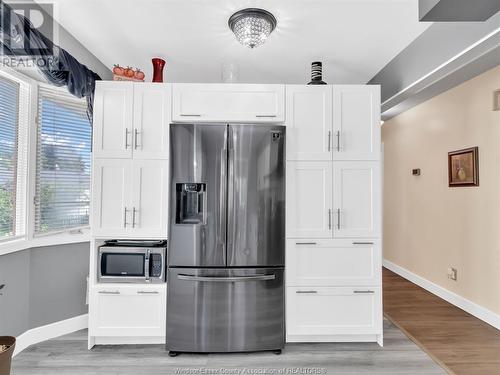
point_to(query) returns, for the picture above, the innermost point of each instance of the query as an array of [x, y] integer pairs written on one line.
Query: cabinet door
[[356, 199], [313, 262], [113, 108], [149, 216], [356, 122], [309, 122], [111, 202], [309, 199], [333, 311], [131, 310], [228, 103], [152, 117]]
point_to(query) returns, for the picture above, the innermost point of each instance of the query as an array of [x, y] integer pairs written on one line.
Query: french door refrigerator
[[226, 249]]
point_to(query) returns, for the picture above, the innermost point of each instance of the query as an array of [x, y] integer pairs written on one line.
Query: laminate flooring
[[69, 355], [460, 342]]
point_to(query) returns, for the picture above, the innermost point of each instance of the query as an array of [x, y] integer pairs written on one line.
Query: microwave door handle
[[146, 265]]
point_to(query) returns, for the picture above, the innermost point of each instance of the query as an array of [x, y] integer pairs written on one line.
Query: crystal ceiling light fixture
[[252, 26]]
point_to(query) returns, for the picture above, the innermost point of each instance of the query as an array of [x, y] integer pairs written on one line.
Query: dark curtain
[[18, 37]]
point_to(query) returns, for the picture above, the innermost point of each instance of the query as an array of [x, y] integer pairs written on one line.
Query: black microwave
[[129, 262]]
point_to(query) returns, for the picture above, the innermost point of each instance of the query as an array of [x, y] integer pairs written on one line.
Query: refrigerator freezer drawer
[[225, 310]]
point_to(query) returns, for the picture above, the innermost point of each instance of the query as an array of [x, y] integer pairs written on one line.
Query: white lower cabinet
[[314, 312], [322, 262], [127, 310]]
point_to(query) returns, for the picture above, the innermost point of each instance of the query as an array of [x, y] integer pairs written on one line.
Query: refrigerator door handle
[[221, 225], [230, 195], [226, 279]]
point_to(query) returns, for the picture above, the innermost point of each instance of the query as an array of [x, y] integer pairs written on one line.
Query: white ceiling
[[353, 38]]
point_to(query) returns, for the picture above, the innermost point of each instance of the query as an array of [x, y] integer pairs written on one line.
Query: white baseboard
[[472, 308], [49, 331]]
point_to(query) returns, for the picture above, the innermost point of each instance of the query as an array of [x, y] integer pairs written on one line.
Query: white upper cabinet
[[152, 117], [228, 103], [150, 198], [309, 122], [356, 122], [111, 197], [309, 199], [130, 198], [356, 199], [113, 116], [132, 120]]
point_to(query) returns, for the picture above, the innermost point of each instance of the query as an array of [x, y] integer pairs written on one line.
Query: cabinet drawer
[[333, 262], [334, 311], [228, 103], [130, 310]]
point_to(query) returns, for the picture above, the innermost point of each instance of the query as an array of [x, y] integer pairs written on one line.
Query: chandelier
[[252, 26]]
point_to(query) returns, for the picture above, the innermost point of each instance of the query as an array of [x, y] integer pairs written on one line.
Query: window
[[62, 195], [13, 158]]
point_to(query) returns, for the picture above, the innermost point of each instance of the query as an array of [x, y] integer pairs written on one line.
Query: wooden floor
[[461, 343], [69, 355]]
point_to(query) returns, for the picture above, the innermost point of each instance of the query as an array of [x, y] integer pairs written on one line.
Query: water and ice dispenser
[[191, 203]]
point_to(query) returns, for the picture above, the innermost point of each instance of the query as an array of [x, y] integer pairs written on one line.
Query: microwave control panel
[[156, 265]]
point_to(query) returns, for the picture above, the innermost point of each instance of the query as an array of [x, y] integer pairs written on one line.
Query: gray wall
[[436, 45], [43, 285]]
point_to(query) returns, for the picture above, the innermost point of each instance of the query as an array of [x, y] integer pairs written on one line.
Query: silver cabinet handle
[[136, 133], [337, 133], [126, 137], [329, 218], [306, 292], [226, 279], [329, 140], [125, 217], [265, 116], [133, 216], [338, 218], [362, 243], [306, 243], [109, 292], [148, 292], [189, 115], [363, 292]]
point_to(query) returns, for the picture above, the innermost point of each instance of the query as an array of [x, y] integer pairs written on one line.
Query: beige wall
[[428, 226]]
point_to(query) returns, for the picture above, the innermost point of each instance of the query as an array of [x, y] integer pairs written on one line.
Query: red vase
[[158, 65]]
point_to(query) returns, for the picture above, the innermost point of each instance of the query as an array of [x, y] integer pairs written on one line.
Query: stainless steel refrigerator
[[226, 244]]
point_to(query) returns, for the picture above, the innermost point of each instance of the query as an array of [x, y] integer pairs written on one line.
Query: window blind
[[62, 196], [9, 118]]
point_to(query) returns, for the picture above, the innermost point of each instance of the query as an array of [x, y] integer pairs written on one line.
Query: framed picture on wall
[[463, 167]]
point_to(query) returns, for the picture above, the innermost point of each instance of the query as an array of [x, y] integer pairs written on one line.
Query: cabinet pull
[[190, 115], [362, 243], [306, 292], [133, 216], [306, 243], [126, 138], [265, 115], [338, 218], [109, 292], [363, 292], [125, 217], [330, 218], [135, 139], [337, 133], [147, 292], [329, 140]]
